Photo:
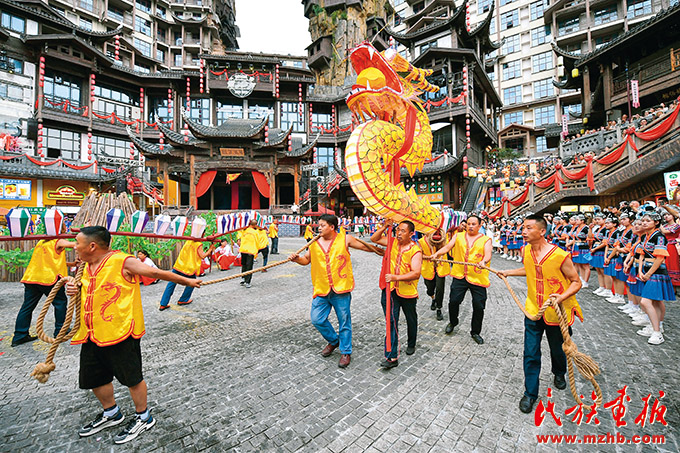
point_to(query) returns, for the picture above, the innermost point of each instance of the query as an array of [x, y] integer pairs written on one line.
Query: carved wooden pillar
[[193, 201], [272, 188], [166, 184], [296, 176]]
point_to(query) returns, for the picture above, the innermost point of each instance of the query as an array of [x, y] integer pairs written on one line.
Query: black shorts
[[100, 364]]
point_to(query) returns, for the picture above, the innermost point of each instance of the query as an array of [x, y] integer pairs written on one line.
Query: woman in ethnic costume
[[580, 249], [671, 230], [611, 235], [630, 267], [597, 246]]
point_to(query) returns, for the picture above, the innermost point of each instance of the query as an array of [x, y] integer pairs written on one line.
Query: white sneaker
[[646, 331], [656, 338], [585, 284], [635, 313], [505, 255], [607, 293], [597, 291], [642, 321], [616, 300], [625, 307], [518, 259]]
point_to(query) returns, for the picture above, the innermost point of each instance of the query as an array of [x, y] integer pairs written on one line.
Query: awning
[[204, 182], [261, 183]]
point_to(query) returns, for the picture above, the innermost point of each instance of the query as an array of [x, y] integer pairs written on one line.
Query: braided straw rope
[[583, 362], [42, 370]]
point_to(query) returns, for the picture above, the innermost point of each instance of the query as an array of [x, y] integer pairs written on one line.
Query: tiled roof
[[177, 138], [664, 14], [434, 168], [35, 171], [276, 137], [230, 128], [191, 20], [434, 26], [299, 149], [148, 148]]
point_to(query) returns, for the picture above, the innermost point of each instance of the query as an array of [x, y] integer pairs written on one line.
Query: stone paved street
[[239, 369]]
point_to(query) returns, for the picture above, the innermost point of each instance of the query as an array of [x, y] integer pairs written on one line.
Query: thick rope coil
[[42, 370], [585, 364]]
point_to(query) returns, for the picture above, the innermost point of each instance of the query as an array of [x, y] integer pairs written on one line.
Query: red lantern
[[266, 134], [465, 159], [465, 173], [201, 73], [276, 81]]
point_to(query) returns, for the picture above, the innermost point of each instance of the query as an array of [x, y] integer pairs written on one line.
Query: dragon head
[[387, 85]]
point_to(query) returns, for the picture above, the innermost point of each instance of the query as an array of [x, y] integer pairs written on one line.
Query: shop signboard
[[671, 181], [15, 189]]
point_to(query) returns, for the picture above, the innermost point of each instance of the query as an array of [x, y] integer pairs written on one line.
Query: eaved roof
[[177, 138], [148, 148], [230, 127]]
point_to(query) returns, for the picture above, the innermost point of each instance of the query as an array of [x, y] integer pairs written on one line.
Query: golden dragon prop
[[394, 132]]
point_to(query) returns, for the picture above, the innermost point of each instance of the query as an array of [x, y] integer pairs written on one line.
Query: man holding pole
[[550, 273], [188, 264], [468, 246], [401, 272], [47, 266], [111, 327], [333, 282]]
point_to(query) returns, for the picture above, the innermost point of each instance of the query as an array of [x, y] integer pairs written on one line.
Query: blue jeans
[[275, 246], [533, 333], [408, 306], [321, 308], [32, 295], [170, 288]]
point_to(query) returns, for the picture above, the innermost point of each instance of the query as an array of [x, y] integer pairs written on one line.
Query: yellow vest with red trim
[[46, 265], [309, 233], [546, 278], [249, 241], [332, 269], [188, 262], [400, 263], [427, 269], [475, 254], [111, 305], [273, 230]]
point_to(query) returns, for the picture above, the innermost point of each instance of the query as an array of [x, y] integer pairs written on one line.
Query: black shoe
[[449, 328], [410, 350], [560, 382], [477, 338], [23, 340], [387, 364], [526, 404], [439, 315], [433, 307]]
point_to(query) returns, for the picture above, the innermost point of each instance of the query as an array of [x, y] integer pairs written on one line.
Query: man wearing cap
[[47, 266]]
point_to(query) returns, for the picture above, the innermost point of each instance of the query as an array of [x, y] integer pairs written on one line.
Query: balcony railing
[[644, 73]]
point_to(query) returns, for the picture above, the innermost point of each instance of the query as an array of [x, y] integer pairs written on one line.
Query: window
[[537, 9], [178, 59], [540, 35], [86, 24], [113, 147], [635, 8], [110, 99], [510, 45], [492, 26], [483, 6], [512, 95], [144, 5], [260, 109], [62, 144], [86, 4], [512, 69], [574, 109], [398, 2], [143, 26], [602, 40], [60, 86], [289, 117], [510, 19], [13, 23], [543, 89], [427, 45], [513, 118], [161, 33], [491, 74], [229, 109], [160, 11], [115, 14], [568, 26], [541, 62], [160, 55], [505, 2], [143, 46], [541, 144], [321, 119], [11, 92], [200, 110], [324, 156], [418, 7], [602, 16], [544, 115], [145, 68], [158, 109], [11, 65]]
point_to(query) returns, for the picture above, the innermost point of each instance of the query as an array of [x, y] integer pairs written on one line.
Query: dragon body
[[394, 132]]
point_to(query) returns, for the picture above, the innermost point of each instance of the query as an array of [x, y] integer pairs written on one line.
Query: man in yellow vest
[[468, 246], [550, 273], [187, 264], [434, 274], [401, 272], [47, 266], [308, 233], [249, 251], [111, 327], [333, 282], [274, 236], [263, 245]]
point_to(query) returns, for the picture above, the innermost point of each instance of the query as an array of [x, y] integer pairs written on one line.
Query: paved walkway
[[239, 369]]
